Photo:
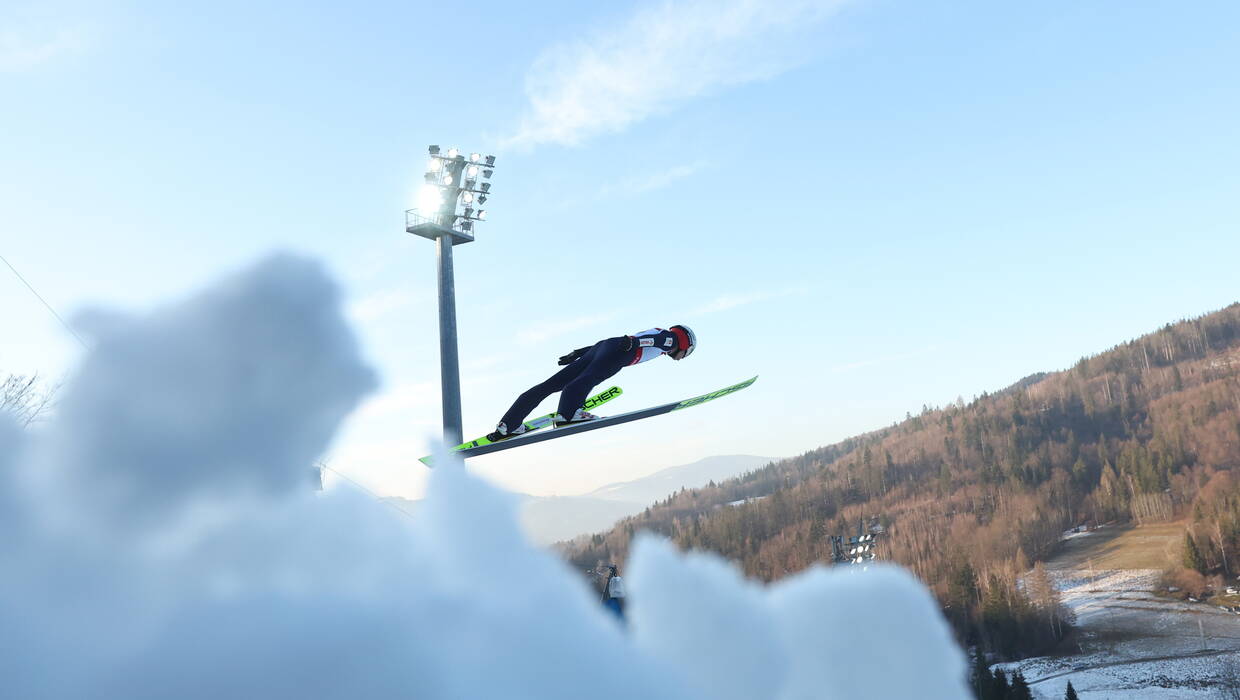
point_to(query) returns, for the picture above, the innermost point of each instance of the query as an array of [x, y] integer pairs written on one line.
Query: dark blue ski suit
[[588, 368]]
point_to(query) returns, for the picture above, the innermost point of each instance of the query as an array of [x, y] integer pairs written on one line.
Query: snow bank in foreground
[[161, 540]]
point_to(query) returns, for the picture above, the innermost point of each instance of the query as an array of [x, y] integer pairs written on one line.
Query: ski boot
[[503, 433], [579, 416]]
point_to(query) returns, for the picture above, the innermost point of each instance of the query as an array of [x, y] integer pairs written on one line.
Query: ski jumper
[[602, 360]]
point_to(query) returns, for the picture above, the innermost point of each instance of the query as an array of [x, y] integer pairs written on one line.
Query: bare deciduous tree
[[25, 398]]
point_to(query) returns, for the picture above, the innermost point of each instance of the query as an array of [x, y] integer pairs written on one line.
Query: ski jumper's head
[[685, 342]]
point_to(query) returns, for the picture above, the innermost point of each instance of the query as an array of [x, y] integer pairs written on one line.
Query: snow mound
[[161, 540]]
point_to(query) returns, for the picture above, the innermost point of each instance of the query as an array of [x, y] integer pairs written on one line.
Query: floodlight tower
[[451, 180]]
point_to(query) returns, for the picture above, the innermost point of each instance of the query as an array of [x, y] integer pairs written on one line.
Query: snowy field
[[1136, 644], [162, 540], [1190, 678]]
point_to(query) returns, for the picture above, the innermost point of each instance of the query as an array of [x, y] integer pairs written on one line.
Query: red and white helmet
[[685, 342]]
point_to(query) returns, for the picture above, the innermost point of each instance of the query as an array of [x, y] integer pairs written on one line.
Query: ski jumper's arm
[[568, 359]]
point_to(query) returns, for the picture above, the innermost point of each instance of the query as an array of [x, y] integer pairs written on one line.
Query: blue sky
[[873, 205]]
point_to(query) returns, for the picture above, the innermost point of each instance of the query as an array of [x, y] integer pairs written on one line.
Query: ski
[[534, 423], [573, 429]]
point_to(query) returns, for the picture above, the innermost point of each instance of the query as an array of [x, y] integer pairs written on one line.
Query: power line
[[374, 495], [49, 306]]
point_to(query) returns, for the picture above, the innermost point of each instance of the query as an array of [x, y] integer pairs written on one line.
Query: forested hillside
[[972, 494]]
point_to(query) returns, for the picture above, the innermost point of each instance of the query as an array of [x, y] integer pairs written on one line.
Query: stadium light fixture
[[450, 182]]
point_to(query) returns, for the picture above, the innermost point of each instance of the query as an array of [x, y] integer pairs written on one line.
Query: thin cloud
[[23, 50], [664, 54], [648, 183], [731, 301], [551, 329]]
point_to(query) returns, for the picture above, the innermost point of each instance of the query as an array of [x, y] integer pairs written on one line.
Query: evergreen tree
[[1192, 556], [1080, 473], [1020, 687], [1071, 694], [963, 585], [999, 687], [981, 678]]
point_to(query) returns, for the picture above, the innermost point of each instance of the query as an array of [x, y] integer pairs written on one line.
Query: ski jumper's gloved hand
[[572, 356], [627, 343]]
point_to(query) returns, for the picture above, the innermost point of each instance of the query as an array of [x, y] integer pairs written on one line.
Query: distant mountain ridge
[[554, 519], [550, 519], [662, 484]]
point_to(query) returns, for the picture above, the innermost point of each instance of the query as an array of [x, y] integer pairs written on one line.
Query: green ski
[[534, 423], [574, 428]]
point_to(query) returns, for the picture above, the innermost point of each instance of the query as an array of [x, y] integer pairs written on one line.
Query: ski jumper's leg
[[613, 604], [535, 394], [604, 360]]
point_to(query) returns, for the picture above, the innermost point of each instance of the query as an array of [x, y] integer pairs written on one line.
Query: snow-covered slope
[[1133, 642]]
